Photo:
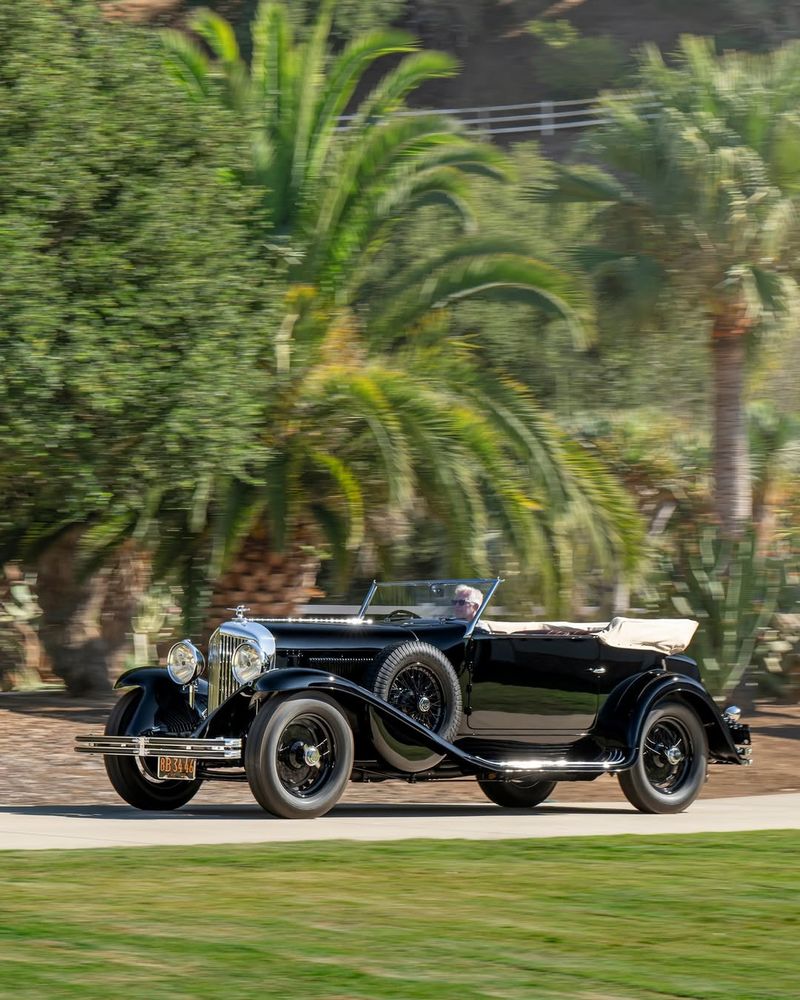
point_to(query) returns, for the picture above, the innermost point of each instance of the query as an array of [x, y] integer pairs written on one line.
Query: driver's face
[[464, 608]]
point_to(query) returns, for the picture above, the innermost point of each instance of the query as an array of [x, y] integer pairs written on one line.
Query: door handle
[[597, 670]]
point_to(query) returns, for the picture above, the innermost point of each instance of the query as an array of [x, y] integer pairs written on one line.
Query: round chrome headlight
[[247, 662], [184, 662]]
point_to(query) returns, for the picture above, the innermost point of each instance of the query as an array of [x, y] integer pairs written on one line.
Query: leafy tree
[[571, 65], [352, 17], [133, 314], [697, 206], [765, 22]]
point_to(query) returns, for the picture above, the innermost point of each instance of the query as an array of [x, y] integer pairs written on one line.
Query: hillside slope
[[502, 63]]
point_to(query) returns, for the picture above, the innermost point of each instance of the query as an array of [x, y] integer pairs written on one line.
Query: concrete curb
[[69, 827]]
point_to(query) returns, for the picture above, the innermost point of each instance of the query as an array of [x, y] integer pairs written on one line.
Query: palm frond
[[187, 63], [384, 204], [271, 34], [342, 79], [409, 75], [234, 517], [505, 277], [369, 157], [309, 83], [346, 393], [217, 33], [349, 490], [583, 184]]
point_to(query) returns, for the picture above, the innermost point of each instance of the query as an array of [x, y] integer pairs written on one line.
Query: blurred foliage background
[[252, 357]]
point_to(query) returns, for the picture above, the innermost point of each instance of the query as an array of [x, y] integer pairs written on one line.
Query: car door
[[533, 683]]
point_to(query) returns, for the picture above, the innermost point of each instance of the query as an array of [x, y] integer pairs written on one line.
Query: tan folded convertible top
[[665, 635]]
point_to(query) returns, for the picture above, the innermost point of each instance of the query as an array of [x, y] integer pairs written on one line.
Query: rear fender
[[622, 717], [160, 697]]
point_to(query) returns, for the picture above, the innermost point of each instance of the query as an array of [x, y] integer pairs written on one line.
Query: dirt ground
[[38, 765]]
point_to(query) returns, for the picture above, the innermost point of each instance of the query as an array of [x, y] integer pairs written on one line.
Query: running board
[[608, 763]]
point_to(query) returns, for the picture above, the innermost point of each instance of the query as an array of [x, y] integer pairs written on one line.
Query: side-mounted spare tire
[[420, 681]]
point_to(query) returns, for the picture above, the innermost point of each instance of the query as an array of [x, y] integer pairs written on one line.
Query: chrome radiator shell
[[222, 645], [221, 682]]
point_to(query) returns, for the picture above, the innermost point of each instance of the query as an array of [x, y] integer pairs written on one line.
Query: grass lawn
[[595, 919]]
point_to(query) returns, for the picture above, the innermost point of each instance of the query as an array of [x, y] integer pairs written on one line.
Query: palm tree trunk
[[86, 620], [271, 584], [733, 495]]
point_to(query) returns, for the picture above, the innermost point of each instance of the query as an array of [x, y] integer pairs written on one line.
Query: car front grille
[[221, 682]]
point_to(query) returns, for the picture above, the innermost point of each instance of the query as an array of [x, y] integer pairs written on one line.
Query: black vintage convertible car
[[420, 685]]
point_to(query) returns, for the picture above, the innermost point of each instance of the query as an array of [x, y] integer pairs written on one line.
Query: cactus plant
[[732, 589]]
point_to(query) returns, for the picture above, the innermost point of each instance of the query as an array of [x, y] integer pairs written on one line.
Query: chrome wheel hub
[[424, 704], [311, 756], [674, 755]]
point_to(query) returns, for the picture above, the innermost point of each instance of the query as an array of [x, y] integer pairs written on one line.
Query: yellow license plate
[[182, 768]]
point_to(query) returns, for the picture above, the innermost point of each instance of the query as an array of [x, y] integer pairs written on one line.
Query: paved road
[[45, 827]]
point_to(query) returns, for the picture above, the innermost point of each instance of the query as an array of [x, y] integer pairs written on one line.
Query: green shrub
[[570, 65], [582, 69]]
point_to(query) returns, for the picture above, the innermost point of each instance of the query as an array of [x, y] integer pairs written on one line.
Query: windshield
[[437, 599]]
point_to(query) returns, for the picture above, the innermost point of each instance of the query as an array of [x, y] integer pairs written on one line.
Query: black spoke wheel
[[417, 690], [517, 793], [419, 681], [670, 770], [135, 779], [306, 755], [299, 756]]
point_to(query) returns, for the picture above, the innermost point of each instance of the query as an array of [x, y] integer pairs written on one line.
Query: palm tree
[[363, 446], [775, 455], [373, 413], [333, 194], [697, 201]]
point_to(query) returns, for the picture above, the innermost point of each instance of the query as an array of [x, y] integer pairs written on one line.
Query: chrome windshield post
[[492, 588], [367, 599]]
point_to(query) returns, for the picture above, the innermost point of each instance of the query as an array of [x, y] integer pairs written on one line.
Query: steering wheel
[[400, 614]]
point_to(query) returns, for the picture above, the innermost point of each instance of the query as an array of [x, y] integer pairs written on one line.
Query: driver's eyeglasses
[[462, 600]]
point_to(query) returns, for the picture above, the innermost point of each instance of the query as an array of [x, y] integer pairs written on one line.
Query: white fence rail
[[542, 117]]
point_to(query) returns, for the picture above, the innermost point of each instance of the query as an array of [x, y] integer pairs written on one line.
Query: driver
[[466, 601]]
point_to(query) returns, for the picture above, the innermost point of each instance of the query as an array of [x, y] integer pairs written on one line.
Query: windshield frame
[[488, 585]]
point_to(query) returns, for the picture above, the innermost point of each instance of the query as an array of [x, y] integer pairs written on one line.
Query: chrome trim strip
[[221, 748], [610, 761]]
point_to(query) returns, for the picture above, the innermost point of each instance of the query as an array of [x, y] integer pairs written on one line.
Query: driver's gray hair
[[471, 594]]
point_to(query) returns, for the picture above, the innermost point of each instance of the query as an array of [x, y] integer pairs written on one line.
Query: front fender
[[623, 715], [160, 697], [411, 741]]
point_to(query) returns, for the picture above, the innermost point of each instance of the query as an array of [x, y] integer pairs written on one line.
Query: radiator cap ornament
[[240, 611]]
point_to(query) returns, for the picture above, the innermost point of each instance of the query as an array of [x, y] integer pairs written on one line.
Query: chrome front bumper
[[222, 748]]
